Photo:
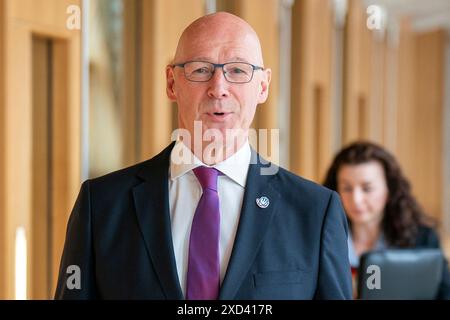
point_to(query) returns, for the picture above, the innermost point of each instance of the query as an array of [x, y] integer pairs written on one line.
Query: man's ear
[[170, 84], [264, 85]]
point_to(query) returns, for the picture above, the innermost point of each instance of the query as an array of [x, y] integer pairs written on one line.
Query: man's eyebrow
[[232, 59], [238, 59], [201, 59]]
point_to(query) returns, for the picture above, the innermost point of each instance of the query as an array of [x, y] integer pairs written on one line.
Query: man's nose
[[218, 85]]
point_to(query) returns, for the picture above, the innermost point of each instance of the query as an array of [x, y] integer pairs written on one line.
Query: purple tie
[[203, 275]]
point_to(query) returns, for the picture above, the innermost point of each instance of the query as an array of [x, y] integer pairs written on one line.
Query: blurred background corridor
[[82, 93]]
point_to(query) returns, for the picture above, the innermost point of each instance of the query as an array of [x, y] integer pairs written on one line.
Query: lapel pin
[[262, 202]]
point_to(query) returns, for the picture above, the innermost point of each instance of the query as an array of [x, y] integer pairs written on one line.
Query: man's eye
[[201, 70], [237, 71]]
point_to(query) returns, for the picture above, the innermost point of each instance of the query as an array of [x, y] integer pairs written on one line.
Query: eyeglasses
[[202, 71]]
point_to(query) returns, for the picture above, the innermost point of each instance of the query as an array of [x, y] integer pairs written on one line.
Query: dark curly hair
[[402, 214]]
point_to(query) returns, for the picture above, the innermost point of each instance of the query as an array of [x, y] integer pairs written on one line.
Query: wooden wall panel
[[65, 178], [420, 113], [18, 143], [132, 68], [358, 75], [41, 12], [429, 110], [311, 112], [41, 171], [406, 84], [390, 93]]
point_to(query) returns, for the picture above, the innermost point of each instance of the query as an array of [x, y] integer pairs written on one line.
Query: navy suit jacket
[[119, 235]]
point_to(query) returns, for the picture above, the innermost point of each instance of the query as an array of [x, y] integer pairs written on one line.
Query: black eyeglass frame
[[217, 65]]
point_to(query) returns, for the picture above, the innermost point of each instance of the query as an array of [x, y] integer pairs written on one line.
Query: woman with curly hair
[[381, 210]]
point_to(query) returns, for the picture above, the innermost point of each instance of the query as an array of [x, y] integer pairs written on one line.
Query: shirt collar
[[235, 167], [353, 257]]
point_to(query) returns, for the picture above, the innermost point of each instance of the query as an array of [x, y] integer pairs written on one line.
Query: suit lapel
[[151, 199], [253, 224]]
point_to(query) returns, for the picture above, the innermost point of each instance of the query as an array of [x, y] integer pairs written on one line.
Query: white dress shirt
[[185, 192]]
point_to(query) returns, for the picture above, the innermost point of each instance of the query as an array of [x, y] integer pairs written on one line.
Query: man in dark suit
[[202, 222]]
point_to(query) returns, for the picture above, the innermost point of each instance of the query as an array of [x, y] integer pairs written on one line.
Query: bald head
[[222, 28], [218, 103]]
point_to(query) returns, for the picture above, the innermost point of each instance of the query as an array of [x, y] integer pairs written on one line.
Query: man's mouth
[[218, 116]]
